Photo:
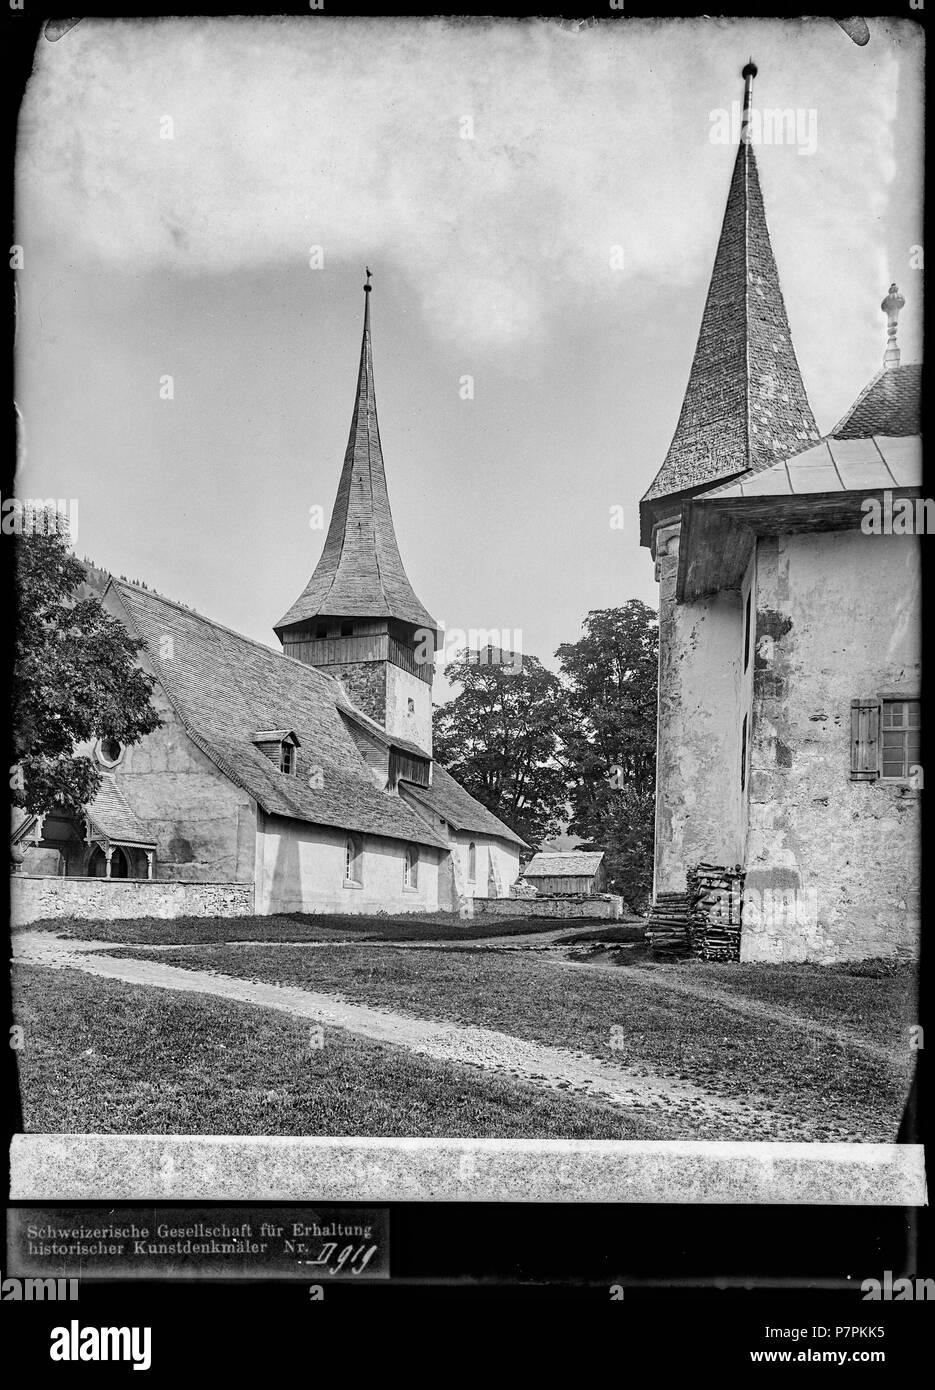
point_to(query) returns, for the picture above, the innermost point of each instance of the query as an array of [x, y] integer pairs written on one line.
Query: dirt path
[[555, 1067], [552, 948]]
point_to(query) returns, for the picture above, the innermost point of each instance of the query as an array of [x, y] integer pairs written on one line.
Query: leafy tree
[[501, 738], [74, 676], [610, 750]]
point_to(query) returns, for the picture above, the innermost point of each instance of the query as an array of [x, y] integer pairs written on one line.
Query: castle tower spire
[[745, 405], [359, 613]]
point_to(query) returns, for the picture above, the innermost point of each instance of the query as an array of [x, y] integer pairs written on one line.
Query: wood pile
[[715, 896], [667, 928]]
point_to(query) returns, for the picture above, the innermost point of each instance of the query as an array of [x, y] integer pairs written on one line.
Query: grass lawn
[[828, 1083], [101, 1056], [156, 931]]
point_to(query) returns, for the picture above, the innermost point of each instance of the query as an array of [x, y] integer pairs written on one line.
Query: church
[[787, 822], [292, 781]]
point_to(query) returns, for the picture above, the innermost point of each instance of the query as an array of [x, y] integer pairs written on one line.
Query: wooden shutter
[[865, 740]]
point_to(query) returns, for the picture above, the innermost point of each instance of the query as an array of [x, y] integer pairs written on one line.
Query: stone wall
[[365, 683], [832, 864], [588, 908], [33, 898], [698, 796]]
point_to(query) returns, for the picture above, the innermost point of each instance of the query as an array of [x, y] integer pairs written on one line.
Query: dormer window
[[280, 746]]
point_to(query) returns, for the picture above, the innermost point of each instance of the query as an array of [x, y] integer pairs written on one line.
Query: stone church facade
[[300, 781], [790, 631]]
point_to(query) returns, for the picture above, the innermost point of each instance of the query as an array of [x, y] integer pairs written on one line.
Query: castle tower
[[357, 617], [744, 409]]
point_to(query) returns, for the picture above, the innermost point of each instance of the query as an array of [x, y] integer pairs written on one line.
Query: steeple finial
[[368, 287], [748, 74], [891, 306]]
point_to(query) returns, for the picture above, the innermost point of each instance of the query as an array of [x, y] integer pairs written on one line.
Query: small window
[[353, 858], [110, 751], [347, 629], [901, 738], [287, 759], [472, 862], [321, 630], [411, 706], [411, 867], [746, 629]]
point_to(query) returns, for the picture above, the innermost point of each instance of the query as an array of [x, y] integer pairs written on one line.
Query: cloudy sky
[[540, 207]]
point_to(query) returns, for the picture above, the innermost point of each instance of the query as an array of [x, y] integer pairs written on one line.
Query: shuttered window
[[886, 738], [865, 739]]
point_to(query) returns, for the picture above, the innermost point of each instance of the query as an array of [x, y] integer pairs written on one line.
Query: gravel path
[[555, 1067]]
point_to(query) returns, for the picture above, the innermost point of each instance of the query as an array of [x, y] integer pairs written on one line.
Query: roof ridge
[[232, 632]]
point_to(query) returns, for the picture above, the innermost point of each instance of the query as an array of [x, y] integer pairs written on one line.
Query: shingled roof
[[360, 573], [745, 406], [111, 817], [890, 404], [448, 799], [577, 863], [224, 687]]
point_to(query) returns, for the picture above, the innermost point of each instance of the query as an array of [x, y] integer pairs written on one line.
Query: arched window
[[472, 862], [119, 863], [353, 860], [411, 867]]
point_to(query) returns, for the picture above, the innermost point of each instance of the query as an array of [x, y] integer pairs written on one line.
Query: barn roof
[[745, 405], [360, 573], [224, 687], [448, 799], [577, 863]]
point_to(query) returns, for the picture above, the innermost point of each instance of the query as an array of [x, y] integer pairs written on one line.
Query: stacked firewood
[[667, 927], [715, 896]]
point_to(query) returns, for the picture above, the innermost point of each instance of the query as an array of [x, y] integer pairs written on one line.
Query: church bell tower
[[358, 617]]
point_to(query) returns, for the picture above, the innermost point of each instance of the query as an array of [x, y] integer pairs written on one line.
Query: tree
[[501, 738], [611, 676], [75, 676]]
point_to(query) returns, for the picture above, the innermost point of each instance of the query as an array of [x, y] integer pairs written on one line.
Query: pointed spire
[[745, 406], [360, 573], [891, 307]]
